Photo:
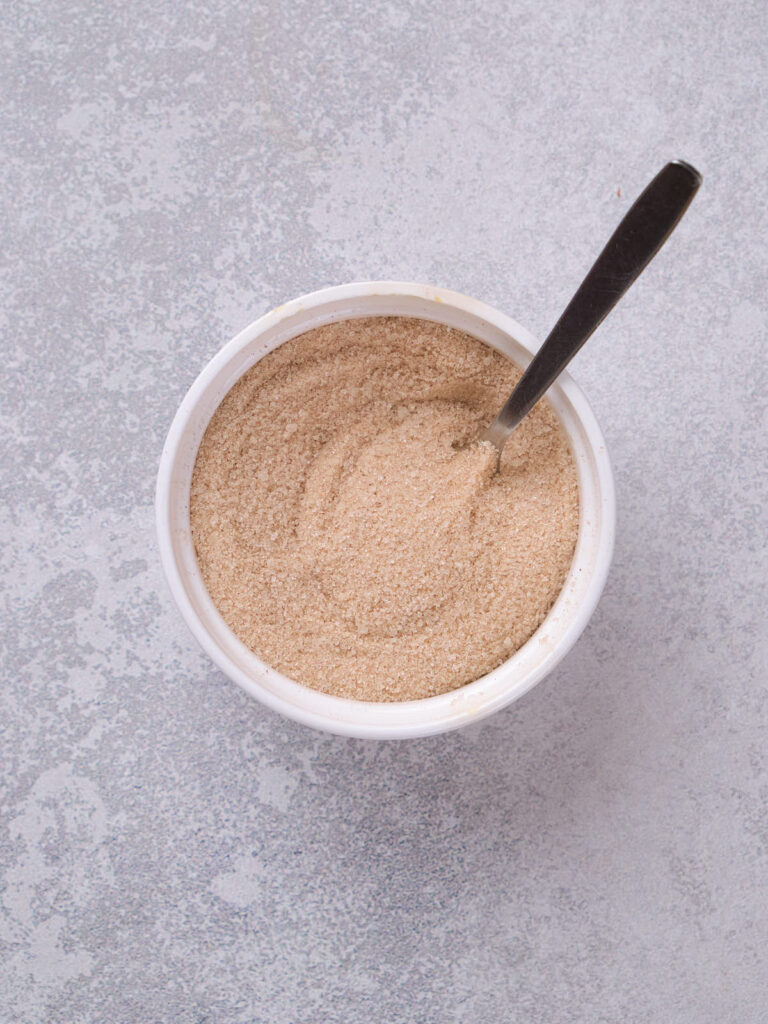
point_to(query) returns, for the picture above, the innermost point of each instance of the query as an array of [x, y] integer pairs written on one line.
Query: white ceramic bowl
[[400, 720]]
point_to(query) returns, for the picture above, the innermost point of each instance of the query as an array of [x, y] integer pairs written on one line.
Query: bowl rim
[[363, 719]]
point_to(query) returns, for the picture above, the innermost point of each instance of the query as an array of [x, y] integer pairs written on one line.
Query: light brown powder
[[349, 540]]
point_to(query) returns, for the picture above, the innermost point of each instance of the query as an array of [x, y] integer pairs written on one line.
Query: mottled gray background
[[171, 851]]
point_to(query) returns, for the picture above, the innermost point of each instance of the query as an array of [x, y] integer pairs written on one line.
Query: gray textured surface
[[170, 850]]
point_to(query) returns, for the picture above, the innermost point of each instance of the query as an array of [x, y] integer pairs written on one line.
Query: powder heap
[[352, 535]]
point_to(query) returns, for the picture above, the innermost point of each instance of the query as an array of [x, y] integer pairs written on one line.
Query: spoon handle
[[646, 226]]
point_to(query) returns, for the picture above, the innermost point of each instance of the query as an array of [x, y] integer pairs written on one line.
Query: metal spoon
[[644, 229]]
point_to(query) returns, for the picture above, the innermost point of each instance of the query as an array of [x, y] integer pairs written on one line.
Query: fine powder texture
[[348, 538]]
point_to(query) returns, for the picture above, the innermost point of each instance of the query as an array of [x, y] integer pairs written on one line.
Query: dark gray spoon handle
[[644, 229]]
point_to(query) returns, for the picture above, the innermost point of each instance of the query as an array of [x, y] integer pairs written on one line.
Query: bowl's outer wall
[[532, 662]]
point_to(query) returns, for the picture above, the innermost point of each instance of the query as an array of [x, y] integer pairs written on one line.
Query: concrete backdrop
[[171, 851]]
